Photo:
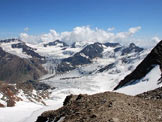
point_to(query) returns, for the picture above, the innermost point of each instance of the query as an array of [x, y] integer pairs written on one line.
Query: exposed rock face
[[132, 47], [126, 50], [37, 85], [15, 69], [9, 40], [93, 50], [153, 58], [9, 94], [83, 57], [12, 93], [56, 42], [105, 107], [108, 44], [109, 66]]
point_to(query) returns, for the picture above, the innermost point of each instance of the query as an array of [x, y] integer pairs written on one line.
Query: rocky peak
[[28, 50], [131, 48], [83, 57], [108, 44], [132, 45], [56, 42], [93, 50]]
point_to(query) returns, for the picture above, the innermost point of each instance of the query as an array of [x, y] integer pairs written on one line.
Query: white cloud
[[111, 29], [79, 34], [26, 29], [134, 29], [51, 36], [155, 39], [30, 38]]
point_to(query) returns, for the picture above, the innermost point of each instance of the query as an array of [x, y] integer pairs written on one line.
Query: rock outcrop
[[56, 42], [31, 91], [105, 107]]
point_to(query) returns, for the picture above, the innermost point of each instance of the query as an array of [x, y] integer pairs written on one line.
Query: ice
[[15, 51]]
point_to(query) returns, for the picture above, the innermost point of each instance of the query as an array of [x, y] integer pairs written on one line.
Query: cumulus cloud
[[51, 36], [134, 30], [111, 29], [30, 38], [83, 33]]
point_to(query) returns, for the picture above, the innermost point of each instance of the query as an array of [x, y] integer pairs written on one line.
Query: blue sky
[[63, 15]]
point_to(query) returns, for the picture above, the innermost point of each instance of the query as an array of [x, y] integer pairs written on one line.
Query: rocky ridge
[[105, 107]]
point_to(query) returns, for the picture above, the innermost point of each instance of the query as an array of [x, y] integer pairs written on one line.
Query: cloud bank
[[79, 34], [85, 33]]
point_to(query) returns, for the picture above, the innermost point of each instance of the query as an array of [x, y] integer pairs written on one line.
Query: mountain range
[[53, 70]]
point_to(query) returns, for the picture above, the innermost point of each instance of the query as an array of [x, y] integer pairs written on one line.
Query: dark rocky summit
[[131, 48], [108, 44], [152, 59], [83, 57], [28, 50], [56, 42], [105, 107], [126, 50]]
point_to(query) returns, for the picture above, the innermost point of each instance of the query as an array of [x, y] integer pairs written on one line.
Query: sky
[[37, 17]]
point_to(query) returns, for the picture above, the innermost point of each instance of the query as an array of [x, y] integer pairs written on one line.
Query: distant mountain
[[108, 44], [131, 48], [28, 50], [80, 58], [56, 43], [9, 40], [153, 59]]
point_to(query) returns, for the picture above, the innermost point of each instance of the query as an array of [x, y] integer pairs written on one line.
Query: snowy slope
[[15, 51], [149, 82]]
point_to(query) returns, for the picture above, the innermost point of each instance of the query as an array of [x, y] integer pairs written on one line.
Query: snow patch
[[149, 82]]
